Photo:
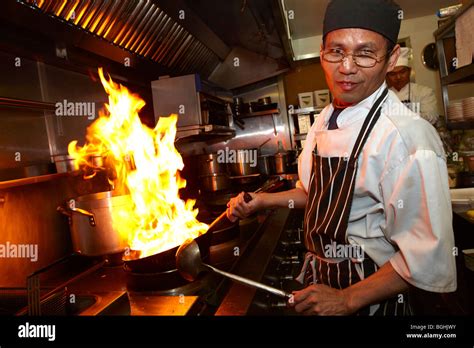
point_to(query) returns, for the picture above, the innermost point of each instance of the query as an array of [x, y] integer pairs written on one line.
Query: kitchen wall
[[304, 78]]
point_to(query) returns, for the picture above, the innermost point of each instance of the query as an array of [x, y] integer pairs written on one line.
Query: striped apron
[[331, 259]]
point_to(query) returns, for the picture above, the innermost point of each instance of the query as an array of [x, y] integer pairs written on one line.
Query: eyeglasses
[[363, 60]]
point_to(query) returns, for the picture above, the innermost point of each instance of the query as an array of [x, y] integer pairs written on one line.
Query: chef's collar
[[355, 112]]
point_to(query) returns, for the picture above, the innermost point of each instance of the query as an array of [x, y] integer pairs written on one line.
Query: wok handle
[[247, 198], [250, 282]]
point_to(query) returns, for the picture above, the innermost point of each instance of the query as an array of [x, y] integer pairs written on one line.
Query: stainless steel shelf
[[306, 111], [461, 125], [203, 133], [28, 181], [260, 113]]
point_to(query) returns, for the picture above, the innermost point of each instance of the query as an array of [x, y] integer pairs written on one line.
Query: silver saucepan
[[91, 225]]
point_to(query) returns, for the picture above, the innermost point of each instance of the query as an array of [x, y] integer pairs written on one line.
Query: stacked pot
[[213, 175]]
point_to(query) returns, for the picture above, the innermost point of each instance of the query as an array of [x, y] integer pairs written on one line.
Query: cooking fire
[[159, 219]]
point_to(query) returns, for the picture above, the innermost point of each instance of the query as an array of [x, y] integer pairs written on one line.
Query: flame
[[146, 165]]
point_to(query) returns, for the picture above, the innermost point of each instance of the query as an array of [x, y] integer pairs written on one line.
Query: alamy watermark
[[67, 108], [238, 156], [22, 251], [401, 109], [37, 331], [346, 251]]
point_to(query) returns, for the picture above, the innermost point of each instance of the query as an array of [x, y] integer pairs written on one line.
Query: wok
[[165, 261]]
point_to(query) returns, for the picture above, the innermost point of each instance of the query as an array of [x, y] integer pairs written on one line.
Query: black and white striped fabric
[[330, 193]]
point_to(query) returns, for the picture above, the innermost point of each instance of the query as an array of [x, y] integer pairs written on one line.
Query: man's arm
[[238, 208], [323, 300]]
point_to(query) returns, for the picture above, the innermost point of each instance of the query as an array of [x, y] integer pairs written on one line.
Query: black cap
[[380, 16]]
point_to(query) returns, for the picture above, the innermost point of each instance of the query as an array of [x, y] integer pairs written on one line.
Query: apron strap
[[368, 125]]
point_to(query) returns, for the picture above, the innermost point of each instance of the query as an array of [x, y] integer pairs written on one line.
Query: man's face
[[349, 83], [399, 77]]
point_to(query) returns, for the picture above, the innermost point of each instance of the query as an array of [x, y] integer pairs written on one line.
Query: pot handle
[[63, 211], [85, 213]]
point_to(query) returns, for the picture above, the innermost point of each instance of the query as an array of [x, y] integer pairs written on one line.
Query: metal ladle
[[190, 265]]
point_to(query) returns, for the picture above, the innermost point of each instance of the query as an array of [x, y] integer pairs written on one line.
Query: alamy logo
[[237, 156], [66, 108], [401, 109], [23, 251], [37, 331], [346, 251]]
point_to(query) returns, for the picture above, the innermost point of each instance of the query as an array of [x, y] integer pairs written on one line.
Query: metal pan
[[164, 261]]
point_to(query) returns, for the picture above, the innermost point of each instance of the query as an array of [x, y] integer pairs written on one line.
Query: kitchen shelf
[[461, 125], [308, 110], [28, 181], [464, 74], [260, 113], [204, 133]]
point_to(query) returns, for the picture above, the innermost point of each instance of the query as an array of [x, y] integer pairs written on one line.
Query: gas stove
[[77, 285]]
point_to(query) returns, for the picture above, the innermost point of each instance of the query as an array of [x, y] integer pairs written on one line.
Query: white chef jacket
[[423, 95], [401, 210]]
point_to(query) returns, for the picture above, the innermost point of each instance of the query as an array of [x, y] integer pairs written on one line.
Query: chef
[[419, 99], [374, 184]]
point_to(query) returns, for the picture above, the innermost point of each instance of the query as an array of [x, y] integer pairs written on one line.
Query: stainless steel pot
[[90, 219], [208, 164], [281, 163], [66, 163], [266, 165], [245, 164], [214, 182]]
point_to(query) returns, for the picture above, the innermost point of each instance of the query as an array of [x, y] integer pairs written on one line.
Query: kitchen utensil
[[209, 164], [66, 163], [243, 164], [189, 264], [261, 145], [240, 123], [266, 165], [164, 261], [214, 182], [281, 163], [91, 225]]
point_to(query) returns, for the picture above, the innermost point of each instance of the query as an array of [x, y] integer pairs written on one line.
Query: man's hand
[[237, 208], [320, 299]]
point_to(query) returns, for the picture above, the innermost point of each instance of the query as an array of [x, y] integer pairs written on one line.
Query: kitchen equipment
[[214, 182], [91, 225], [281, 163], [209, 164], [266, 165], [245, 163], [265, 100], [185, 95], [26, 172], [189, 264], [165, 260], [66, 163]]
